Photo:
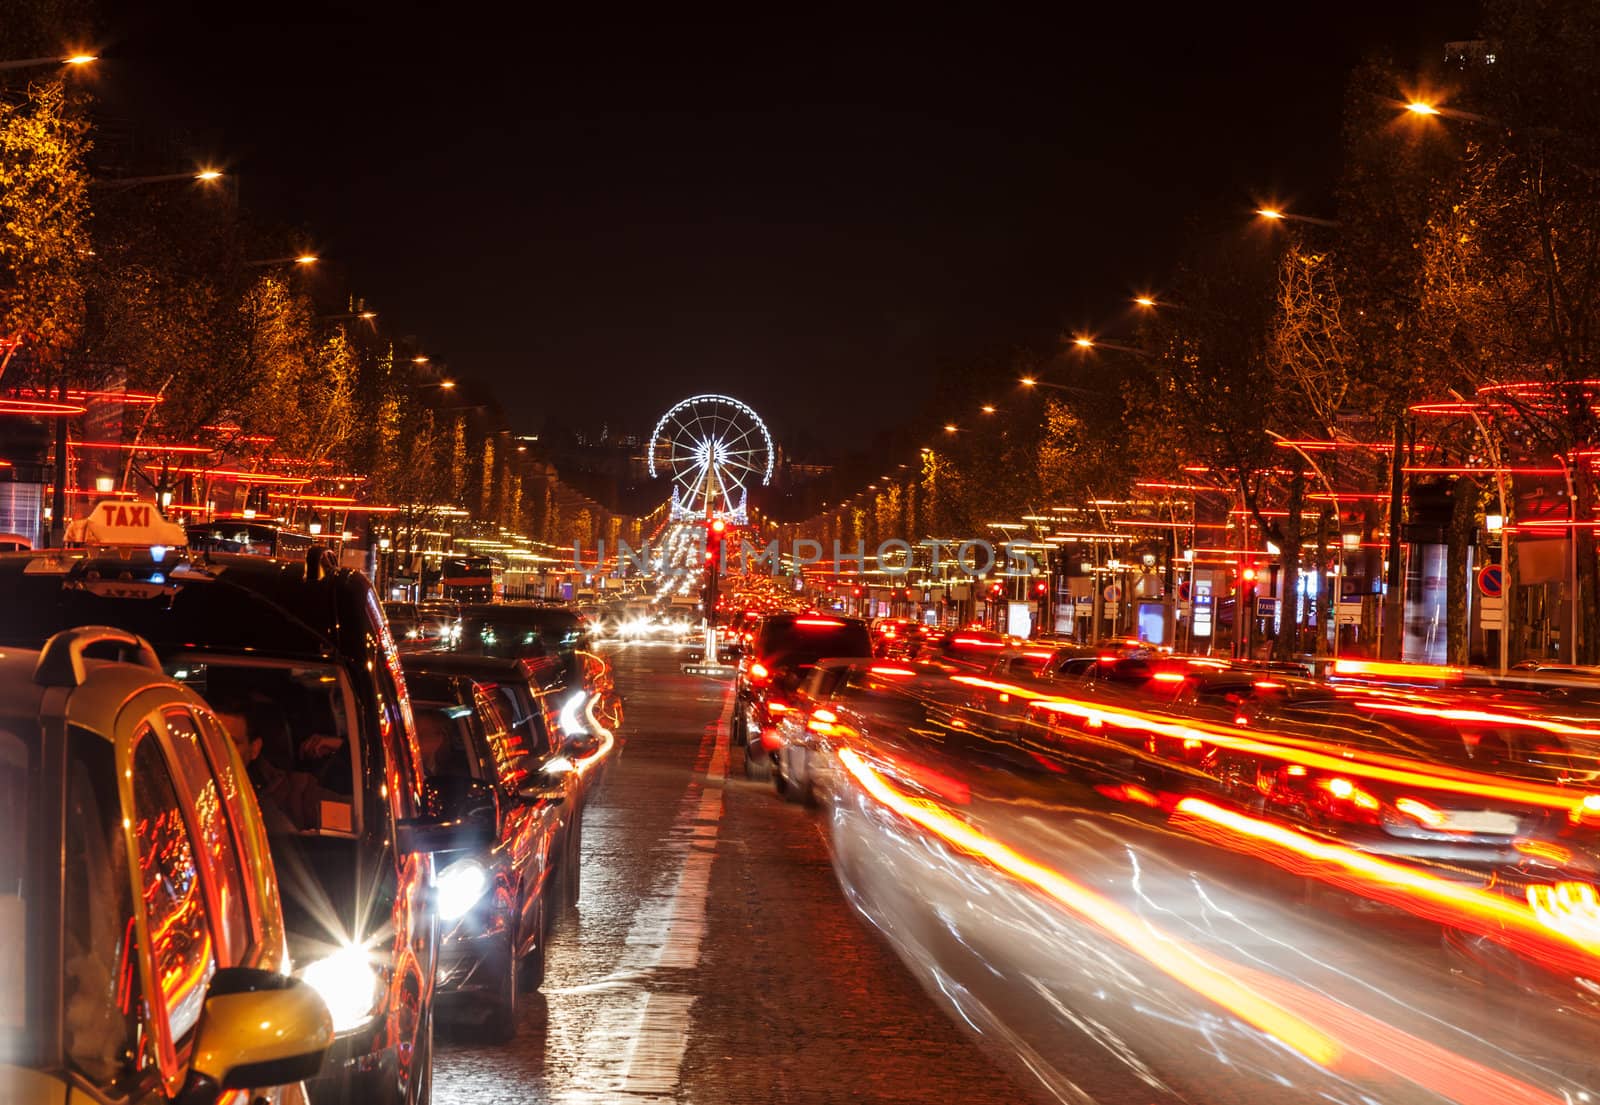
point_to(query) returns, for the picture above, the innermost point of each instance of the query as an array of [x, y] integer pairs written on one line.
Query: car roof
[[219, 602], [93, 705], [473, 666]]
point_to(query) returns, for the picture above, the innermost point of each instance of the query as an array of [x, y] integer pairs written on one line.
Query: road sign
[[1183, 591], [1112, 593], [1492, 612], [1266, 606], [1491, 581]]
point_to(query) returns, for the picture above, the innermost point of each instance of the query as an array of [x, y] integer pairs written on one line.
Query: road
[[713, 957]]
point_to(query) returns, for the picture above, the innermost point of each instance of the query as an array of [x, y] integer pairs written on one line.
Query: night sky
[[809, 210]]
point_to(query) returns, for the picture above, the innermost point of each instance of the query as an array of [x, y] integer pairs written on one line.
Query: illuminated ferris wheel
[[714, 448]]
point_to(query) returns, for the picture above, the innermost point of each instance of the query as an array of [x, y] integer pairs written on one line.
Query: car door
[[528, 827]]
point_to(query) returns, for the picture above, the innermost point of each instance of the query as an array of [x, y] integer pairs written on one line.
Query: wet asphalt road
[[713, 957]]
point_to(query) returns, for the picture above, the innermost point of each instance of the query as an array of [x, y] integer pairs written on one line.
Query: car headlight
[[347, 983], [458, 888], [567, 720]]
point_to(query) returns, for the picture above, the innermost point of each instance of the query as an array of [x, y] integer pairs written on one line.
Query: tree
[[44, 210], [1210, 391]]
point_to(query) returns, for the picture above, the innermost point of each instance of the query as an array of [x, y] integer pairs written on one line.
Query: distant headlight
[[348, 984], [458, 888]]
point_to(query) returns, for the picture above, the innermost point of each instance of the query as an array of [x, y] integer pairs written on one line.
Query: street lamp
[[75, 61], [987, 408], [202, 176], [951, 428], [296, 259], [1278, 215]]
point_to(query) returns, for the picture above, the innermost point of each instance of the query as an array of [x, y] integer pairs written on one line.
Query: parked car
[[495, 902], [527, 631], [578, 725], [298, 661], [139, 914], [785, 648]]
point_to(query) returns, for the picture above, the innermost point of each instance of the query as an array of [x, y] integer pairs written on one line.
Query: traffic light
[[1041, 588]]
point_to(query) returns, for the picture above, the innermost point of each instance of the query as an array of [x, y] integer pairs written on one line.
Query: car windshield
[[799, 641], [293, 726]]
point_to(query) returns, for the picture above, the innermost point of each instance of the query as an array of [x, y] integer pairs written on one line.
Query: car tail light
[[776, 707], [1168, 677], [817, 621], [759, 673], [1349, 801], [827, 723]]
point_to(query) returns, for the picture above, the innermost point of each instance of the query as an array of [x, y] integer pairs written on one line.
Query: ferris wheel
[[714, 448]]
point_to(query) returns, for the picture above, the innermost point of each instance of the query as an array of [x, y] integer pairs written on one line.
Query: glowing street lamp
[[988, 408], [951, 427], [301, 259], [1420, 107], [1145, 301], [1278, 215], [201, 176], [76, 61]]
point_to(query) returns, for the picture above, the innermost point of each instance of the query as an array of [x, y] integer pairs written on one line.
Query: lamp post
[[74, 61]]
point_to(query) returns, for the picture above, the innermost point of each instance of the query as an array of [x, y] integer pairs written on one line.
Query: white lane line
[[635, 1046]]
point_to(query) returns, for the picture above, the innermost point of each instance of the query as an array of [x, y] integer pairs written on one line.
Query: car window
[[101, 987], [444, 737], [508, 746], [292, 726], [807, 640], [219, 852], [182, 951]]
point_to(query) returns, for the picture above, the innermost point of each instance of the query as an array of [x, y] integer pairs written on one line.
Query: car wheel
[[757, 767], [532, 966], [736, 728], [572, 870], [500, 1024], [422, 1076]]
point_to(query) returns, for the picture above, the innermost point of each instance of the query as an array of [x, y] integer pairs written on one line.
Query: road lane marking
[[635, 1046]]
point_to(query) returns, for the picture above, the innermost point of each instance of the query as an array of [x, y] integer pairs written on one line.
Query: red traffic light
[[856, 591], [1041, 587], [718, 525]]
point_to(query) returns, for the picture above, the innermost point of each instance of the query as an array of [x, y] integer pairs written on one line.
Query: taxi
[[297, 661], [140, 928]]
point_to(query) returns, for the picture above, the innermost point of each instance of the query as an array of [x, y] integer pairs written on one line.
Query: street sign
[[1183, 591], [1266, 606], [1492, 612], [1491, 581], [1112, 593]]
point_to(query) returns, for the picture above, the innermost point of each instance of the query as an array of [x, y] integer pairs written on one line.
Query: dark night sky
[[809, 211]]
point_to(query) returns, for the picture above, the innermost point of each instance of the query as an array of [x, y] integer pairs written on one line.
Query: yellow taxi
[[142, 950]]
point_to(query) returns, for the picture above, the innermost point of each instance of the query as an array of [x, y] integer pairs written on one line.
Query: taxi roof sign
[[125, 522]]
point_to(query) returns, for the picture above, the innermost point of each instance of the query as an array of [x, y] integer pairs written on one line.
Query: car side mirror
[[257, 1029], [461, 817], [549, 783]]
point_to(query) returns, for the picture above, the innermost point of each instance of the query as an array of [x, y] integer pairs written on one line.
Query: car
[[842, 699], [298, 660], [785, 648], [969, 649], [580, 726], [517, 630], [139, 912], [495, 903]]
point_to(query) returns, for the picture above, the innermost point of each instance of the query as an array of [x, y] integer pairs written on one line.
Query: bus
[[473, 579]]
